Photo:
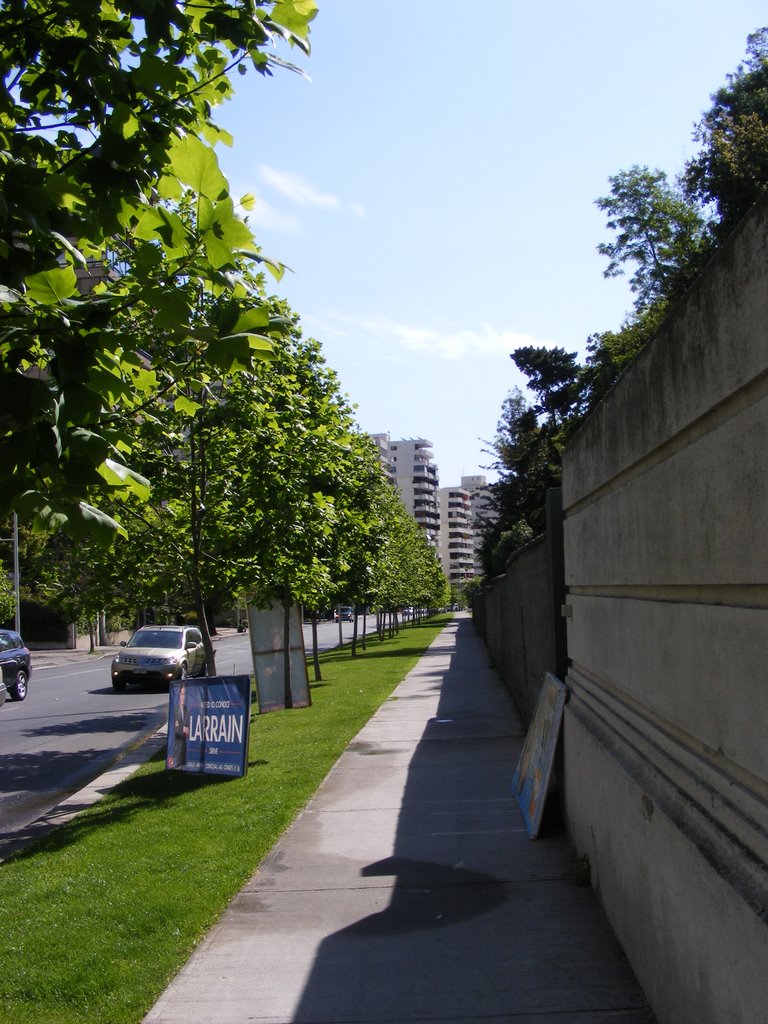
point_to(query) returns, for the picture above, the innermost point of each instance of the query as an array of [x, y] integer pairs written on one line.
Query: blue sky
[[432, 185]]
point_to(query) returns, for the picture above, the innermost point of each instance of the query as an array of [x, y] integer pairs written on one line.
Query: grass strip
[[99, 916]]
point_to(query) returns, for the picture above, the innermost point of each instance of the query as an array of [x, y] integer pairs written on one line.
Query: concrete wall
[[514, 624], [518, 615], [665, 497]]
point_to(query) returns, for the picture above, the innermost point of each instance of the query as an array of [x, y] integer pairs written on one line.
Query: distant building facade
[[456, 541], [483, 511], [452, 518], [409, 464]]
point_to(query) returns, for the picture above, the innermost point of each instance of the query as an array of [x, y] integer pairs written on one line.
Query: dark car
[[16, 663], [159, 654]]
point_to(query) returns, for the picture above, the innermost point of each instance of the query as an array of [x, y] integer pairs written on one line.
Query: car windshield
[[156, 638]]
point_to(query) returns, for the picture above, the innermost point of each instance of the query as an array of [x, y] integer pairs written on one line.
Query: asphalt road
[[73, 725]]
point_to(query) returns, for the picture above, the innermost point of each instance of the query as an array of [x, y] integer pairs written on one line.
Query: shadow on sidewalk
[[476, 921]]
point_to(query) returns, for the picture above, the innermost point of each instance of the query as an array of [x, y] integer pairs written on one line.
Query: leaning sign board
[[208, 724], [267, 627], [531, 778]]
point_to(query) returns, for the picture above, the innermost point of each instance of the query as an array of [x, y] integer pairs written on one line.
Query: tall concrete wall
[[518, 614], [665, 497], [512, 618]]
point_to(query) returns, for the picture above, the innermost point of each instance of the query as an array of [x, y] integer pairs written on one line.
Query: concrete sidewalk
[[408, 890]]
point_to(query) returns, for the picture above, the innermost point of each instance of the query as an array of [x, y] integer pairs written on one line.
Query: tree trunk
[[354, 630], [202, 621], [315, 653]]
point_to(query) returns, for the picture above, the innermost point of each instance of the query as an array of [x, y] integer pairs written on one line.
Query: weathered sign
[[531, 779], [267, 631]]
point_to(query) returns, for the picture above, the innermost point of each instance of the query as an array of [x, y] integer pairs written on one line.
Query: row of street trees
[[664, 232], [110, 177], [161, 416], [262, 489]]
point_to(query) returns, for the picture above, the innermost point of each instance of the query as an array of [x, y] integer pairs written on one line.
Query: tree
[[7, 598], [658, 230], [730, 172], [611, 352], [664, 236], [405, 570], [249, 472], [554, 378], [106, 108]]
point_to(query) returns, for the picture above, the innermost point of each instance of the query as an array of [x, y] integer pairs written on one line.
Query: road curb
[[128, 762]]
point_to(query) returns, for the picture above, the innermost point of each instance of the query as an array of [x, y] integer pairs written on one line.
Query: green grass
[[98, 917]]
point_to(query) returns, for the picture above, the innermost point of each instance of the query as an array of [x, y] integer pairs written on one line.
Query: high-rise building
[[456, 543], [452, 518], [382, 444], [410, 465], [483, 511]]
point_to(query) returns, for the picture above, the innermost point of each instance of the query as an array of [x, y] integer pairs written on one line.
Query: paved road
[[73, 725]]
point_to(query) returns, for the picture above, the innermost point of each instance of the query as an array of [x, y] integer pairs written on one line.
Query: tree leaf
[[51, 286], [118, 475], [196, 165], [295, 15], [186, 406]]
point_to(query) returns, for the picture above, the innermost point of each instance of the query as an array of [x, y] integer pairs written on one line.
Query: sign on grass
[[208, 724], [268, 640]]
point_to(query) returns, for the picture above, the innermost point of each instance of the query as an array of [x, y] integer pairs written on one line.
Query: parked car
[[16, 663], [344, 613], [159, 654]]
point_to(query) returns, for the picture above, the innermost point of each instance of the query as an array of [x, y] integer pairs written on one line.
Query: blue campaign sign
[[208, 725]]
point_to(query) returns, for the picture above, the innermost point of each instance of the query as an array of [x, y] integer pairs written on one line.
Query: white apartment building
[[381, 441], [410, 465], [482, 509], [452, 517], [456, 544]]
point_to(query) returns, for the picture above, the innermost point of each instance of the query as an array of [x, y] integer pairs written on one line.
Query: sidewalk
[[408, 890]]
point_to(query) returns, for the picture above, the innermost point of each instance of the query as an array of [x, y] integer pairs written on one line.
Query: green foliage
[[404, 569], [499, 546], [730, 172], [105, 108], [658, 231], [7, 598]]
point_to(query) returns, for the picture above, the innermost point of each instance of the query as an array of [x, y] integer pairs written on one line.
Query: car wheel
[[18, 691], [119, 685]]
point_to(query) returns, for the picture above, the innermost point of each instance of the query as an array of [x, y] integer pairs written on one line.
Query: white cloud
[[445, 343], [264, 215], [297, 189]]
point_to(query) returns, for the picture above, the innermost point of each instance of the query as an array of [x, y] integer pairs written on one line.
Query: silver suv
[[157, 654]]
